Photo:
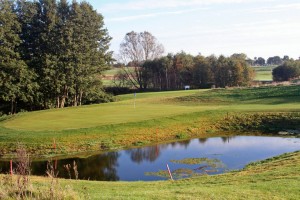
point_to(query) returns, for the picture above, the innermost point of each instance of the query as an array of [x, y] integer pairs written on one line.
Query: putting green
[[145, 107]]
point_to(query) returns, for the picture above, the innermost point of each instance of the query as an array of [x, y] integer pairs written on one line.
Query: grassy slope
[[276, 178], [147, 107], [118, 125]]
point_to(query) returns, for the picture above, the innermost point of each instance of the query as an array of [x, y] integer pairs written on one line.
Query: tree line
[[274, 60], [146, 68], [51, 54], [173, 72]]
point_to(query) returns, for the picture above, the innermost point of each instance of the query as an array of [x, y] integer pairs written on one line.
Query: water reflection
[[144, 154], [129, 165], [99, 167], [184, 143], [227, 139], [203, 140]]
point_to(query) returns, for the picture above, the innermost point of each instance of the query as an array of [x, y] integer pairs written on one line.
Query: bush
[[287, 71]]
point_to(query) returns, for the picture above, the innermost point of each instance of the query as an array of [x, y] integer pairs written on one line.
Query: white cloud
[[277, 8], [155, 14], [159, 4]]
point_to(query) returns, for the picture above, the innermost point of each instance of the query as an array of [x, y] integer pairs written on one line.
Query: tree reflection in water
[[100, 167], [227, 139], [145, 154], [203, 140], [183, 143]]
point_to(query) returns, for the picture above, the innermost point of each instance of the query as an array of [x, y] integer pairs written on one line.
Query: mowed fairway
[[147, 106]]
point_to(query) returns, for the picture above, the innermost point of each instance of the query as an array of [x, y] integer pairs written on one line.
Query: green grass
[[147, 107], [161, 117], [111, 72], [118, 125], [263, 73]]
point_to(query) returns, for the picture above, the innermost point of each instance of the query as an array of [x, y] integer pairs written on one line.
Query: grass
[[160, 117], [263, 73], [275, 178], [176, 115]]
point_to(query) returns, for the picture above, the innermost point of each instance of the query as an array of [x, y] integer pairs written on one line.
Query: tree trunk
[[57, 102], [80, 97], [75, 100], [12, 107], [167, 79], [16, 103], [63, 99]]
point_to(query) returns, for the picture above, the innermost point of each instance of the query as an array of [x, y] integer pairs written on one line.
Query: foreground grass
[[275, 178], [163, 116]]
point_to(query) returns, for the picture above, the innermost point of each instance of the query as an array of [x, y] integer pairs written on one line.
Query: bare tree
[[135, 49]]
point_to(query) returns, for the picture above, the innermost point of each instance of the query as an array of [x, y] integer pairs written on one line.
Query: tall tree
[[202, 73], [91, 49], [275, 60], [135, 49], [16, 80], [260, 61], [67, 45]]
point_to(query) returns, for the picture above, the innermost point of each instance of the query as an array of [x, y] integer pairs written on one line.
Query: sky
[[258, 28]]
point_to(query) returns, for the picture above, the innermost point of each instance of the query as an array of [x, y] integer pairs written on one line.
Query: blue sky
[[255, 27]]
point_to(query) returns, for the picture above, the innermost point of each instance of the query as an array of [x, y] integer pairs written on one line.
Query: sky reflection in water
[[131, 165]]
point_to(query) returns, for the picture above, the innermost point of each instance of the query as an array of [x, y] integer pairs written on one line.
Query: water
[[131, 165]]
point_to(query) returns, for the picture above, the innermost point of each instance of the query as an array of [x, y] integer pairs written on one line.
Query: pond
[[185, 158]]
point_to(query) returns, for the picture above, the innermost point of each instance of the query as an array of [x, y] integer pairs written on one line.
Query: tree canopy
[[135, 49], [62, 46], [287, 71]]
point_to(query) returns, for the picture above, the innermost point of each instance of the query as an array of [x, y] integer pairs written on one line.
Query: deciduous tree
[[135, 49]]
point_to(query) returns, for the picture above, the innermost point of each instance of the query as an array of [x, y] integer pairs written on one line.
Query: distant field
[[108, 76], [263, 73]]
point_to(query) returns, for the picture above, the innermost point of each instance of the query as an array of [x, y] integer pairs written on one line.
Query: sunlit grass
[[118, 125], [145, 107]]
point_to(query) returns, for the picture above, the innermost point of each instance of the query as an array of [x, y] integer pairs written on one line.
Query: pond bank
[[68, 143]]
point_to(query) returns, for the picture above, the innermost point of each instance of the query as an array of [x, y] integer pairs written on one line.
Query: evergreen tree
[[15, 78]]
